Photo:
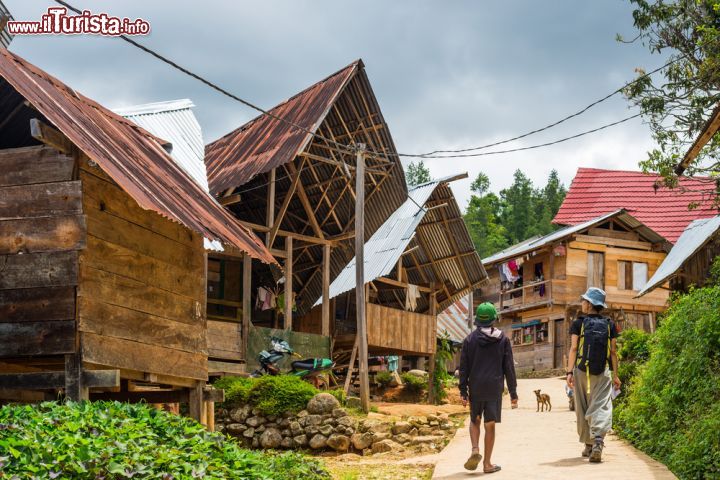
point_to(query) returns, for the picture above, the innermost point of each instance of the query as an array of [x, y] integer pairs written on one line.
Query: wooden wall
[[141, 293], [400, 330], [42, 228]]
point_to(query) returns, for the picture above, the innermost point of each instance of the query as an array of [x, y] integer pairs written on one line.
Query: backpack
[[594, 344]]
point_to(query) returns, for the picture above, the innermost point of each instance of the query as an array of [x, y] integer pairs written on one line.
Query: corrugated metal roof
[[695, 236], [538, 242], [131, 156], [265, 143], [595, 192], [5, 37], [436, 242], [174, 121], [454, 320]]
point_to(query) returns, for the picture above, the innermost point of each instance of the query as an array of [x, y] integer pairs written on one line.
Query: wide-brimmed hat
[[596, 296], [485, 314]]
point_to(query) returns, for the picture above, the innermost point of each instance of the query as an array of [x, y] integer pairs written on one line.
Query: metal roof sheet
[[454, 320], [264, 142], [174, 121], [695, 236], [538, 242], [595, 192], [132, 157], [386, 246]]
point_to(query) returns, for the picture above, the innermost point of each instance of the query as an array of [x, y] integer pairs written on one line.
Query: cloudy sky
[[447, 74]]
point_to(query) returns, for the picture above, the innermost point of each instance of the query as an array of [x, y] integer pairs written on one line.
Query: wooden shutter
[[596, 270], [625, 275], [640, 274]]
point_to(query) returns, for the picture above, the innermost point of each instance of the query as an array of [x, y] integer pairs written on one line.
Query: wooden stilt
[[288, 283], [325, 329], [351, 366], [195, 402], [432, 394], [360, 277], [74, 388], [246, 303]]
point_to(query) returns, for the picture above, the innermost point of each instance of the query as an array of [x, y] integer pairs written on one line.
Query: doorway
[[559, 339]]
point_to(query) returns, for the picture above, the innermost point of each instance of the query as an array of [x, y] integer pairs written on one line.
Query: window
[[530, 334], [596, 270], [632, 275]]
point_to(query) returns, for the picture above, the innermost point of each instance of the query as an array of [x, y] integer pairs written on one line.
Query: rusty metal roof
[[264, 142], [454, 320], [131, 156]]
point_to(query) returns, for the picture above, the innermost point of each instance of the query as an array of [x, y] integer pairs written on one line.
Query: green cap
[[485, 314]]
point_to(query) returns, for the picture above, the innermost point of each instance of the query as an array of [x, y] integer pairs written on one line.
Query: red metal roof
[[130, 155], [264, 142], [595, 192]]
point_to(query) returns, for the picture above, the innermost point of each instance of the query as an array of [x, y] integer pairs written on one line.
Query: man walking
[[485, 361], [593, 345]]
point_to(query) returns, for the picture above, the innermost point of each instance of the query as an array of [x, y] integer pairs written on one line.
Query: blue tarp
[[526, 324]]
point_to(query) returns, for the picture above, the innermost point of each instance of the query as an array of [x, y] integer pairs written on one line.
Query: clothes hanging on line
[[265, 299], [413, 293]]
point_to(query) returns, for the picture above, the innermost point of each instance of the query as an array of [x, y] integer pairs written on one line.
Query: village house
[[102, 293], [296, 191], [536, 285]]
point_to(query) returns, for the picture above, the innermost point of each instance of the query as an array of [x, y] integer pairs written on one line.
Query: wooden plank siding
[[41, 231], [141, 291], [401, 331]]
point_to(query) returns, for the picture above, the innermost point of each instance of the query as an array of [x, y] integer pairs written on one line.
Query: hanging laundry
[[265, 299], [413, 293], [512, 264]]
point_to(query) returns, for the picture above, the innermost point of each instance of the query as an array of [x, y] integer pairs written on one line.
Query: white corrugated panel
[[454, 320], [695, 236]]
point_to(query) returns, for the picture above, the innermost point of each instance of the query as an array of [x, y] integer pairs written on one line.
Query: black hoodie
[[484, 361]]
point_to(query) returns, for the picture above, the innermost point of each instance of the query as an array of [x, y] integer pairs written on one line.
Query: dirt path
[[544, 445]]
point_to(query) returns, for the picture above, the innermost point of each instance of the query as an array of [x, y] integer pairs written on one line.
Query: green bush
[[339, 393], [443, 355], [111, 440], [383, 378], [672, 410], [272, 395], [414, 384]]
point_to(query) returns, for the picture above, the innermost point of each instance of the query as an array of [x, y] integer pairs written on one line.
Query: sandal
[[495, 468], [473, 462]]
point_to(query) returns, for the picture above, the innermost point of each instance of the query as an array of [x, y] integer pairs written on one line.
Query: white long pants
[[593, 411]]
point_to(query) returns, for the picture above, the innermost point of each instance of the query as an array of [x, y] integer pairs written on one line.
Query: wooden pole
[[270, 210], [431, 367], [471, 314], [351, 366], [246, 303], [195, 402], [325, 330], [74, 388], [360, 276], [288, 283]]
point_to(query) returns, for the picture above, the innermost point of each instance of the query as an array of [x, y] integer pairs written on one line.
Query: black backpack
[[594, 344]]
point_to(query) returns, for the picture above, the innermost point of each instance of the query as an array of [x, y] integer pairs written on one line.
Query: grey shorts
[[490, 411]]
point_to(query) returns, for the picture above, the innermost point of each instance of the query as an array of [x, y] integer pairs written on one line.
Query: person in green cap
[[486, 361]]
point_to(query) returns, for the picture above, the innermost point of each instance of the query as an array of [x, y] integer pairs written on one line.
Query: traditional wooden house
[[536, 285], [418, 263], [297, 192], [102, 290]]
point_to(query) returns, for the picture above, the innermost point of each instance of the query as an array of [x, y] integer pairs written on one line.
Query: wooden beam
[[615, 242], [400, 284], [710, 128], [270, 207], [325, 330], [439, 260], [302, 195], [246, 303], [286, 203], [50, 136], [195, 401], [431, 367], [284, 233], [360, 278], [288, 283], [351, 366], [230, 200], [54, 380]]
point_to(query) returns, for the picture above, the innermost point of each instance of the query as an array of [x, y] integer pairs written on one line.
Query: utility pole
[[360, 276]]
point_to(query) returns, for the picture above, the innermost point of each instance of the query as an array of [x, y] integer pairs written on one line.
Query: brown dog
[[543, 399]]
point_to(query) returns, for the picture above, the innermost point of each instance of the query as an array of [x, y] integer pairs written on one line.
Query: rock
[[300, 440], [433, 418], [239, 415], [427, 439], [326, 430], [272, 418], [322, 403], [375, 426], [313, 420], [287, 442], [260, 429], [254, 421], [446, 426], [395, 380], [329, 421], [425, 431], [255, 412], [418, 373], [385, 446], [377, 437], [339, 443], [401, 427], [284, 423], [271, 425], [339, 413], [270, 438], [413, 432], [434, 424], [310, 431], [348, 422], [361, 441], [295, 428], [286, 433], [235, 428], [438, 433], [353, 402], [255, 442], [318, 441], [403, 438], [302, 413], [248, 433]]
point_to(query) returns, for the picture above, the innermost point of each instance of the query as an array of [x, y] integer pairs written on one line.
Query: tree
[[676, 104], [517, 207], [417, 174], [481, 218]]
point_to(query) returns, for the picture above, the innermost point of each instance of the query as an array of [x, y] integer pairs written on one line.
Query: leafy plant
[[414, 383], [443, 354], [339, 394], [272, 395], [237, 389], [111, 440], [383, 378], [672, 410]]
